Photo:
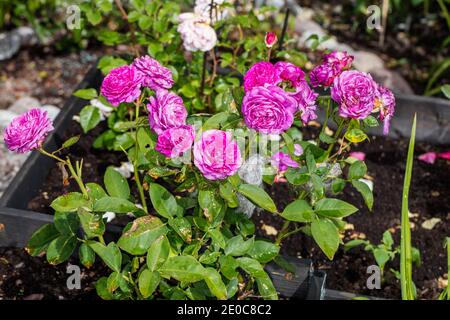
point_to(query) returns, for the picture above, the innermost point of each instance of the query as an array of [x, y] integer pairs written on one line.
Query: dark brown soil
[[386, 160], [23, 277]]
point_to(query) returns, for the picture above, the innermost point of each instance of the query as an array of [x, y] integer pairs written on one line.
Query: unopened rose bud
[[271, 39]]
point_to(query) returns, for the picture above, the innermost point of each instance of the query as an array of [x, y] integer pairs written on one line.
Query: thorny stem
[[283, 32], [336, 136], [135, 165], [132, 30]]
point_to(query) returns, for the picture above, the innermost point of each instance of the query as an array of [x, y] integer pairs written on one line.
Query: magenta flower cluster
[[27, 131], [333, 65], [123, 84], [274, 94]]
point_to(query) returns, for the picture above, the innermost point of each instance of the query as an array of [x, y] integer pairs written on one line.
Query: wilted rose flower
[[361, 156], [306, 101], [290, 72], [429, 157], [259, 74], [268, 109], [355, 93], [196, 32], [385, 101], [122, 84], [166, 110], [298, 150], [340, 60], [27, 131], [217, 154], [282, 161], [154, 75], [270, 39], [173, 142], [322, 75]]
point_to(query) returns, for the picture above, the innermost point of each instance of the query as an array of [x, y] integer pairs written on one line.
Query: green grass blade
[[407, 284]]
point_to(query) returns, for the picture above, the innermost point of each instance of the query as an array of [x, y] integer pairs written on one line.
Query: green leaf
[[215, 283], [354, 243], [158, 253], [228, 266], [370, 121], [334, 208], [110, 254], [95, 191], [183, 268], [381, 257], [144, 22], [365, 192], [237, 246], [90, 117], [70, 202], [107, 63], [357, 170], [387, 239], [67, 223], [326, 235], [41, 238], [142, 233], [114, 204], [164, 202], [87, 255], [227, 193], [113, 281], [101, 288], [70, 142], [406, 281], [94, 17], [337, 185], [355, 135], [326, 138], [251, 266], [299, 211], [217, 237], [210, 203], [148, 282], [232, 288], [258, 196], [86, 94], [264, 251], [310, 161], [446, 90], [296, 176], [182, 227], [318, 186], [93, 225], [266, 287], [61, 248], [116, 184]]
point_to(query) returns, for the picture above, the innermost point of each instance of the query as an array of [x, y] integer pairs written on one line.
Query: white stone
[[24, 104], [52, 111], [366, 61], [6, 117], [125, 169], [109, 216]]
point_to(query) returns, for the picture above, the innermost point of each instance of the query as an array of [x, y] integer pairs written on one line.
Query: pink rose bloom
[[355, 93], [358, 155], [27, 131], [306, 101], [154, 75], [289, 72], [217, 155], [166, 110], [282, 161], [122, 84], [322, 75], [270, 39], [298, 150], [429, 157], [340, 60], [173, 142], [268, 109], [385, 100], [259, 74]]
